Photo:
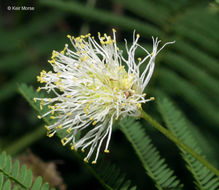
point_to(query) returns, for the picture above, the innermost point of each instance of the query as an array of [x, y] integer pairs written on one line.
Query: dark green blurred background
[[188, 72]]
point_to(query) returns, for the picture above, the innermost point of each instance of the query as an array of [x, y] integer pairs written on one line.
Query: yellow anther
[[39, 117], [63, 141], [68, 96], [38, 89], [144, 94], [43, 72], [92, 66], [114, 30], [52, 117], [85, 160], [91, 118], [59, 127], [82, 150], [124, 104], [41, 107], [152, 98], [73, 147], [69, 36], [139, 105], [94, 123], [87, 105], [52, 107], [99, 34], [50, 100], [54, 54], [138, 35], [69, 113], [84, 58], [108, 42], [50, 134], [69, 130], [42, 101], [52, 61], [91, 75], [77, 38], [85, 110], [39, 78], [56, 83], [34, 99], [139, 59], [121, 67], [58, 74], [106, 151], [46, 126], [93, 162]]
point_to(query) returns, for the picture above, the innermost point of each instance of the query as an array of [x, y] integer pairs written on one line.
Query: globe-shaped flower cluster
[[92, 85]]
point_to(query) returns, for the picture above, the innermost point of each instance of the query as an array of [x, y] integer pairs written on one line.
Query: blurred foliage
[[187, 73], [18, 177]]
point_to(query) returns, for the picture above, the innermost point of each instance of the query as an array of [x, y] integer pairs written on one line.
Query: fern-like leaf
[[179, 126], [9, 88], [147, 10], [154, 165], [105, 173], [198, 56], [104, 17], [113, 177], [193, 72], [10, 38], [17, 176], [190, 93]]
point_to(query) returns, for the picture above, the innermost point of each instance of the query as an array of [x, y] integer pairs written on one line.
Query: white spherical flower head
[[91, 89]]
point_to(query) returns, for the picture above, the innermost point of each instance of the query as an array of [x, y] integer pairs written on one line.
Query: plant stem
[[173, 138], [13, 179]]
